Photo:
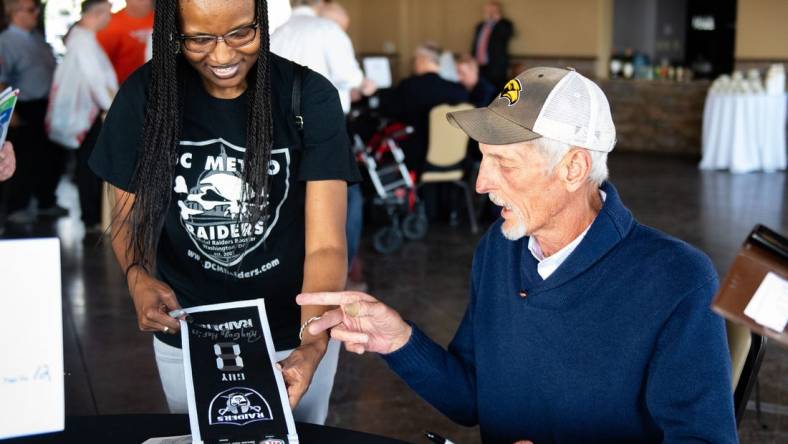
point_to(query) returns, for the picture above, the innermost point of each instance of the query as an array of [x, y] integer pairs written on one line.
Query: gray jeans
[[313, 407]]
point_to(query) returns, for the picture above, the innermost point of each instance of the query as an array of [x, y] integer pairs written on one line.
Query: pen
[[437, 439]]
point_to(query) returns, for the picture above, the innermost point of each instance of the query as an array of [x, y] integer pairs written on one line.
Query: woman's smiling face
[[223, 68]]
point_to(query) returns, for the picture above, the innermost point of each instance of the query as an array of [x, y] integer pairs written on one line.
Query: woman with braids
[[219, 197]]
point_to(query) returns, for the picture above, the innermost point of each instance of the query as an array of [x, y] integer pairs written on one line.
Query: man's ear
[[575, 168]]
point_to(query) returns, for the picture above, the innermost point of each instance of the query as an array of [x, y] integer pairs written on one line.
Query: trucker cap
[[556, 103]]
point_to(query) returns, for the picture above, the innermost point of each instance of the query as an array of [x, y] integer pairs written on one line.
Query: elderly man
[[583, 325], [413, 99]]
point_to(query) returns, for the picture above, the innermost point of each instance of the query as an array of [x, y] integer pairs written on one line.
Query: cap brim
[[485, 126]]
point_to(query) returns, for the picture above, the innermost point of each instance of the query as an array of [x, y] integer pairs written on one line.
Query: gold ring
[[166, 329]]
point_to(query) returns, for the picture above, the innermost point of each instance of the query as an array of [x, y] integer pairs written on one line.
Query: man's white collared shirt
[[548, 265], [322, 46]]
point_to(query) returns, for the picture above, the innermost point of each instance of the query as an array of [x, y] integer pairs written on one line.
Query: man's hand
[[153, 300], [298, 368], [362, 322], [7, 161]]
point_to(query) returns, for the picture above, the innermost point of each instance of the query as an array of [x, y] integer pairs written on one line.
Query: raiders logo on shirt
[[214, 202]]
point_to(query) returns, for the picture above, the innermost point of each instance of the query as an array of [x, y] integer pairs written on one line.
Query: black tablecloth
[[135, 429]]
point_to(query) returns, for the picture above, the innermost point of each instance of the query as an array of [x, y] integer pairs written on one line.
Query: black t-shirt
[[205, 253]]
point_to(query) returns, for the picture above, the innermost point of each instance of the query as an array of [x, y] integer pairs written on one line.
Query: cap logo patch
[[512, 91]]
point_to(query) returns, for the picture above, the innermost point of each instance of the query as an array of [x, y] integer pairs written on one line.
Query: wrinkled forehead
[[520, 151]]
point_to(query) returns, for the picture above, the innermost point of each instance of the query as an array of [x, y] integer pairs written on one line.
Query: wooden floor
[[110, 367]]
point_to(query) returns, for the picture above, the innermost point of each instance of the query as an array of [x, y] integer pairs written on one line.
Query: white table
[[744, 133]]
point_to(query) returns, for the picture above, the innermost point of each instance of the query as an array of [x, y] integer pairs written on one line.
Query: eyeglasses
[[207, 42]]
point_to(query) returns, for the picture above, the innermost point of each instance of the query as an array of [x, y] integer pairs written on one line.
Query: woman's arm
[[325, 269], [153, 299], [325, 262]]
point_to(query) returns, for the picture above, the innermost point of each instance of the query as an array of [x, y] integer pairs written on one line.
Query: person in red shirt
[[125, 38]]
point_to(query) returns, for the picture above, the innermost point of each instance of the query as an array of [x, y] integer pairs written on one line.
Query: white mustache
[[498, 201]]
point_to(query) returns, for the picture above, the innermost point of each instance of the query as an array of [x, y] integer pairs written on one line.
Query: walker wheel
[[415, 226], [387, 240]]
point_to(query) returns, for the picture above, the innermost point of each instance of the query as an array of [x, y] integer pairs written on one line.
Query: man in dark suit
[[491, 44]]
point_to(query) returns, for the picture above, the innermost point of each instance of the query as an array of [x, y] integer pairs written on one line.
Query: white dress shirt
[[97, 75], [548, 265], [321, 45]]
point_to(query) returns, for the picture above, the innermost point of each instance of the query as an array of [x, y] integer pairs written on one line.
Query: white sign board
[[31, 338], [378, 70]]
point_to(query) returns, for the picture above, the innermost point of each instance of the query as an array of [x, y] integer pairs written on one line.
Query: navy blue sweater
[[618, 345]]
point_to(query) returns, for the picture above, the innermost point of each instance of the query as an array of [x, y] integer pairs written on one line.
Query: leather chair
[[746, 349], [446, 153]]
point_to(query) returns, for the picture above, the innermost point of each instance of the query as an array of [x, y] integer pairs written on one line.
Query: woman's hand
[[153, 300], [298, 368], [7, 161]]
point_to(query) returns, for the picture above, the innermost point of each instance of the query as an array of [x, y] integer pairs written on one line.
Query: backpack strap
[[298, 80]]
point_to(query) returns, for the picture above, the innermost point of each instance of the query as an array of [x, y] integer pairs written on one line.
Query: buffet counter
[[657, 116]]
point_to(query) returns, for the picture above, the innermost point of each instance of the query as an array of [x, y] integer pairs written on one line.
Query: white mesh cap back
[[577, 112]]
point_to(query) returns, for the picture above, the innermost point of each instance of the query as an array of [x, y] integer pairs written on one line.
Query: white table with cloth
[[744, 133]]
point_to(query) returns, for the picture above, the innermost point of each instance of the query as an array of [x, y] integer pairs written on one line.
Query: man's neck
[[573, 221], [88, 25], [305, 10], [424, 70], [23, 27]]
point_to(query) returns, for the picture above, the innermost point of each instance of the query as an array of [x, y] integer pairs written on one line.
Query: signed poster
[[235, 393]]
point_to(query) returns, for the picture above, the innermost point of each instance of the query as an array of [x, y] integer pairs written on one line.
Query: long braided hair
[[153, 176]]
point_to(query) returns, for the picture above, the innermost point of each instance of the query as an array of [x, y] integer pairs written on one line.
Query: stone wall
[[583, 65], [657, 116]]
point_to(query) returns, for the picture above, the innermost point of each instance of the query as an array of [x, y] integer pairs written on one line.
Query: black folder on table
[[763, 252]]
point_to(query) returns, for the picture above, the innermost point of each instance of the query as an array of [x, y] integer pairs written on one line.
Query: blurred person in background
[[27, 63], [414, 97], [87, 76], [322, 45], [355, 199], [126, 37], [480, 90], [491, 44], [316, 36], [278, 13]]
